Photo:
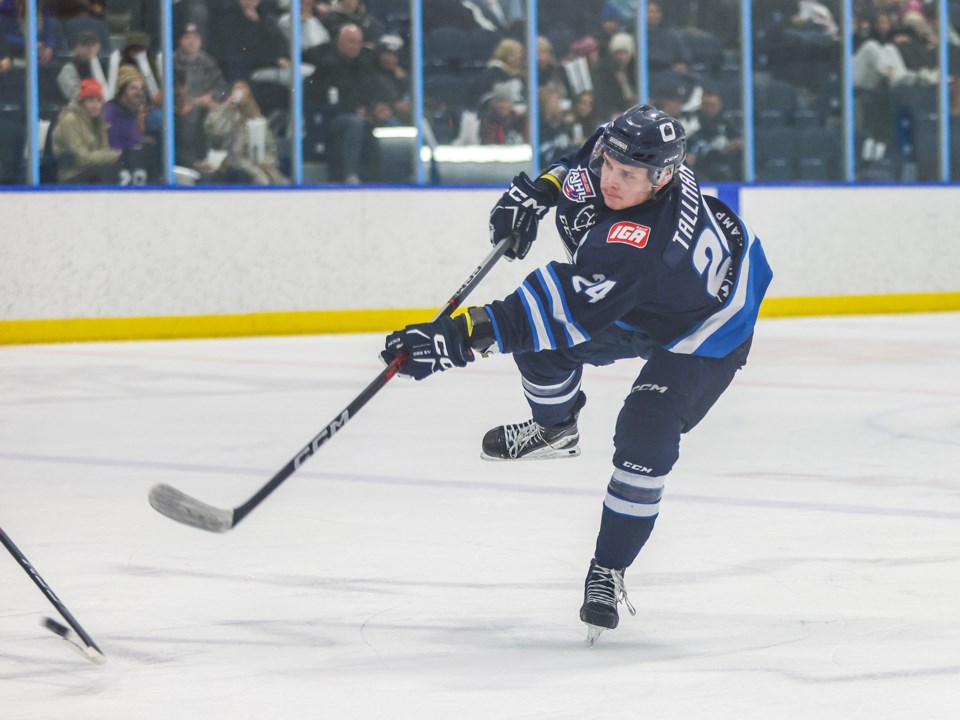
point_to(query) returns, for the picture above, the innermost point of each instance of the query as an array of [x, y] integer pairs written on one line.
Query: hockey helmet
[[643, 137]]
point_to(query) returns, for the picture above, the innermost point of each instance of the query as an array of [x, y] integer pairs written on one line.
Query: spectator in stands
[[346, 86], [714, 144], [5, 60], [125, 112], [49, 30], [80, 141], [246, 40], [501, 16], [556, 126], [612, 21], [550, 72], [616, 81], [585, 117], [200, 88], [665, 45], [581, 64], [203, 81], [918, 46], [136, 54], [507, 66], [312, 31], [83, 63], [87, 20], [501, 122], [395, 89], [238, 127], [352, 12]]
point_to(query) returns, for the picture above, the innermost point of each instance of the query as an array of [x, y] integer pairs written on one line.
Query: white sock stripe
[[623, 507], [638, 481], [533, 387], [557, 400]]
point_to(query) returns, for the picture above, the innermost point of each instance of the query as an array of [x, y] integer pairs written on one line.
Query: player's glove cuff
[[476, 327]]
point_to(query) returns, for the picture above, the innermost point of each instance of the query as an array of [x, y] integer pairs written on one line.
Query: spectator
[[80, 141], [506, 66], [394, 81], [501, 122], [714, 145], [86, 21], [557, 131], [5, 61], [200, 88], [585, 117], [136, 54], [581, 64], [352, 12], [550, 72], [201, 75], [125, 113], [312, 31], [84, 63], [238, 127], [501, 16], [49, 30], [616, 84], [247, 40], [346, 86], [665, 45]]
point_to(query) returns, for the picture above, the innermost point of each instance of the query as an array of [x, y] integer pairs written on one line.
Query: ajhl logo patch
[[577, 186], [629, 233]]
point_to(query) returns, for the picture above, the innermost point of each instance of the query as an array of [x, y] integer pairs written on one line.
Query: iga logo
[[577, 186], [629, 233]]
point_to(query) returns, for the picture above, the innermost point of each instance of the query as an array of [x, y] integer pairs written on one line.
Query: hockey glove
[[520, 210], [429, 347]]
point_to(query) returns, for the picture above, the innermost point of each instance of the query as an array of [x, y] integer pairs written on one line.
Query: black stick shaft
[[372, 389], [46, 590]]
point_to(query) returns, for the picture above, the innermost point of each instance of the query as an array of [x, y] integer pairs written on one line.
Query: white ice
[[806, 563]]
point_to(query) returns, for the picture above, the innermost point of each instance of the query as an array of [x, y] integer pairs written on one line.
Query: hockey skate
[[532, 441], [603, 590]]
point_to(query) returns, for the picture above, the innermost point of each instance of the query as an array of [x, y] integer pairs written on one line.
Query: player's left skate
[[533, 441], [603, 590]]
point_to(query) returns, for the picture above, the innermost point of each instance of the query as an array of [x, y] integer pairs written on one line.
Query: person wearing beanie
[[124, 114], [616, 79], [83, 64], [80, 142]]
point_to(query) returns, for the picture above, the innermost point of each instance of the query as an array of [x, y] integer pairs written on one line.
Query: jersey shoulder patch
[[629, 233], [578, 187]]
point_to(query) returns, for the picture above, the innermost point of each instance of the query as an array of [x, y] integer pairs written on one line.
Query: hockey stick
[[83, 643], [184, 509]]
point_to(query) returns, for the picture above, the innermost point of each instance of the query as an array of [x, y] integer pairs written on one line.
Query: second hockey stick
[[82, 642], [179, 506]]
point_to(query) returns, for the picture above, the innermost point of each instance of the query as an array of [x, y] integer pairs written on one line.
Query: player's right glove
[[520, 210]]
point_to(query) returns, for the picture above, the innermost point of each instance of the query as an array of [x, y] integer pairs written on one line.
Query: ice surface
[[806, 563]]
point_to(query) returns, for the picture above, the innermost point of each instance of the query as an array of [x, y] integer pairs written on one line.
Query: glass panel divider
[[32, 91], [169, 138]]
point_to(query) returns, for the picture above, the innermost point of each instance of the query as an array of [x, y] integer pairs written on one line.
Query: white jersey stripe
[[537, 321], [558, 308], [712, 324]]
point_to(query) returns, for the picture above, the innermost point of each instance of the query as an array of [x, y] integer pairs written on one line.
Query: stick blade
[[91, 653], [179, 506]]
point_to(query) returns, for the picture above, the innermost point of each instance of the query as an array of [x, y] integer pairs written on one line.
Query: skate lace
[[606, 586], [519, 437]]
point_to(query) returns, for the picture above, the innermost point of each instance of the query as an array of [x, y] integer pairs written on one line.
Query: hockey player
[[656, 270]]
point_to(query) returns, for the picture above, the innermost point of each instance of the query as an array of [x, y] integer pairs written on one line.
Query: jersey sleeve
[[561, 304]]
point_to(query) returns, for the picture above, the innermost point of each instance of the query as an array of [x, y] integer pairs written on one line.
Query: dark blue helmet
[[643, 137]]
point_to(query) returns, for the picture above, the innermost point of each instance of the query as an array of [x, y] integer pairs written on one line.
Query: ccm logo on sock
[[629, 233]]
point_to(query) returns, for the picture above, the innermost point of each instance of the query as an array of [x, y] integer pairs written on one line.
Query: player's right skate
[[602, 591], [532, 441]]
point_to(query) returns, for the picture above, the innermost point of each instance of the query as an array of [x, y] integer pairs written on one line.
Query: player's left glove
[[429, 347], [519, 211]]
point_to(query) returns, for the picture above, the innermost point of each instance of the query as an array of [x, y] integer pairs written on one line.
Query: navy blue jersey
[[683, 269]]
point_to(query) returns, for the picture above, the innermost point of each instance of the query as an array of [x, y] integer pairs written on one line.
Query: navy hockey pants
[[670, 396]]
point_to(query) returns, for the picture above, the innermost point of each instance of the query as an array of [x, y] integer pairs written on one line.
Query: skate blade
[[593, 634], [551, 455]]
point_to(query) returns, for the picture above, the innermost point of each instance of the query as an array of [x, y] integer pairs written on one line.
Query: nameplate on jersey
[[578, 187], [629, 233]]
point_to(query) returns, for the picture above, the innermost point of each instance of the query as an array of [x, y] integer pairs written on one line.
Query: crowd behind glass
[[102, 111]]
